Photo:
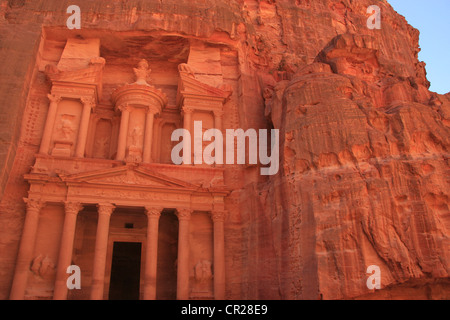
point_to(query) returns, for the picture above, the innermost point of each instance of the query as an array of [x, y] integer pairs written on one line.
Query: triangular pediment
[[129, 176]]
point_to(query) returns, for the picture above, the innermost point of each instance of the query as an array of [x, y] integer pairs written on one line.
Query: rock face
[[364, 145]]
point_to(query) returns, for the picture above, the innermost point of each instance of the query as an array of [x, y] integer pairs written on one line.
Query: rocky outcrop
[[362, 169]]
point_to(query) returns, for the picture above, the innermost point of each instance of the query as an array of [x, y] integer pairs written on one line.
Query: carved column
[[218, 116], [187, 125], [148, 138], [66, 249], [49, 123], [101, 246], [88, 104], [218, 218], [184, 217], [151, 254], [26, 249], [123, 133]]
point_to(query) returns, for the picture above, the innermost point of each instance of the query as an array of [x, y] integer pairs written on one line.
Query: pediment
[[190, 85], [91, 75], [129, 176]]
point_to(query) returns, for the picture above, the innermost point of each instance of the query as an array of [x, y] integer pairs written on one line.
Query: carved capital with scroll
[[88, 101], [184, 214], [218, 215], [124, 107], [105, 208], [153, 212], [33, 204], [54, 98], [188, 110], [72, 207]]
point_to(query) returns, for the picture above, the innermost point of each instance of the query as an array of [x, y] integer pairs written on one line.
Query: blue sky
[[432, 19]]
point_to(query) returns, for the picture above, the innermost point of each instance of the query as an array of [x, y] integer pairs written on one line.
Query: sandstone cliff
[[363, 151]]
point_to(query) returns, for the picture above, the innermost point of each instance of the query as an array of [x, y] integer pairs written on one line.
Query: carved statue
[[142, 72], [203, 275], [42, 266], [66, 128], [136, 135], [101, 148], [135, 149], [203, 271]]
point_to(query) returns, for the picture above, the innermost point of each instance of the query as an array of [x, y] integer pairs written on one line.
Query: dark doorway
[[125, 271], [166, 282]]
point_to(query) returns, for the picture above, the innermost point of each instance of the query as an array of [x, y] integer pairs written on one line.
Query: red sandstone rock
[[363, 151]]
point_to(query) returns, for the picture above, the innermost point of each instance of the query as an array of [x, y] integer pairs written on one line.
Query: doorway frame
[[124, 238]]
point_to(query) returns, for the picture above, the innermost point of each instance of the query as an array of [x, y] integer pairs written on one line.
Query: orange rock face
[[89, 113]]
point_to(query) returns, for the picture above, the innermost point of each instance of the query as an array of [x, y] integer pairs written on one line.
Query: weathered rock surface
[[364, 148]]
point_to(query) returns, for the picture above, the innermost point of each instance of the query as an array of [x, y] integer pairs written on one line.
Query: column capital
[[33, 204], [105, 208], [218, 113], [88, 101], [152, 110], [184, 214], [188, 110], [218, 215], [54, 98], [124, 108], [72, 207], [153, 212]]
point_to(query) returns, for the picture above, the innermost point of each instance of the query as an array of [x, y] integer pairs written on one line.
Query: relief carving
[[142, 72], [64, 136], [66, 128], [202, 276], [135, 149], [101, 148], [42, 266]]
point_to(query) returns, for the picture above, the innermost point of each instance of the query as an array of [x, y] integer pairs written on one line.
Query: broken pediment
[[129, 175], [80, 69], [189, 87]]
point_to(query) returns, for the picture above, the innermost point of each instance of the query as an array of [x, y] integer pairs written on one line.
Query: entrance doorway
[[125, 271]]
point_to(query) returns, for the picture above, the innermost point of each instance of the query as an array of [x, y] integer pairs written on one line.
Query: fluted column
[[49, 123], [101, 245], [88, 104], [123, 133], [184, 217], [187, 125], [66, 249], [151, 254], [148, 138], [26, 248], [218, 218]]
